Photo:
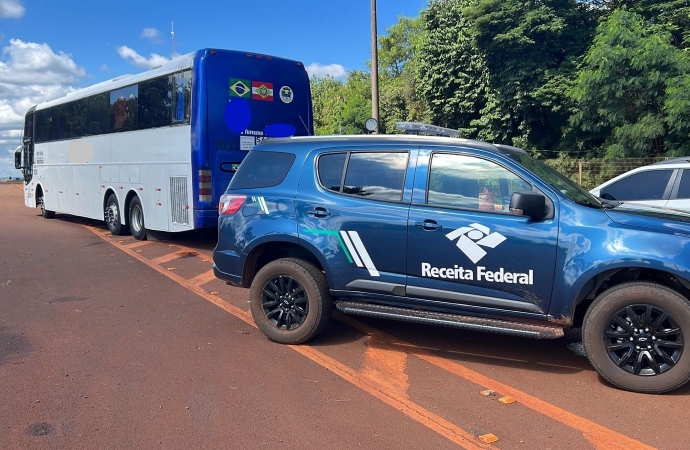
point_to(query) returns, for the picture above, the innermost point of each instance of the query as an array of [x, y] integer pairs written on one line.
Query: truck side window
[[467, 182], [373, 175]]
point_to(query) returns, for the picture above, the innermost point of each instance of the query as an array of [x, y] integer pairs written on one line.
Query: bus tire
[[136, 219], [113, 216], [44, 212]]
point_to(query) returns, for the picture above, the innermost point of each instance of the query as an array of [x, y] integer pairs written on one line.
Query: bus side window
[[123, 109], [181, 96]]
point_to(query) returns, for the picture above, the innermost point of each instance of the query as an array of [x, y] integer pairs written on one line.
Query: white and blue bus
[[155, 151]]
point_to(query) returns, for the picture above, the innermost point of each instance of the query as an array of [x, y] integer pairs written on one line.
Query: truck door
[[465, 249], [353, 211]]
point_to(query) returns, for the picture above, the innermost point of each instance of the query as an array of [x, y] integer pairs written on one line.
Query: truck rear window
[[262, 169]]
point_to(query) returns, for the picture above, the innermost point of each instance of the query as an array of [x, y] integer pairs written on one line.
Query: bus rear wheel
[[136, 219], [113, 217]]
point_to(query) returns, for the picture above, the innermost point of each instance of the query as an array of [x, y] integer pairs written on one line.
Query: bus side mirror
[[528, 203], [18, 158]]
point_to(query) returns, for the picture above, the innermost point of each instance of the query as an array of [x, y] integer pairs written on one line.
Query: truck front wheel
[[634, 335]]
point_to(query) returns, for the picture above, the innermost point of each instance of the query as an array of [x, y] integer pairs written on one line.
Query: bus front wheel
[[136, 219], [113, 217], [42, 204]]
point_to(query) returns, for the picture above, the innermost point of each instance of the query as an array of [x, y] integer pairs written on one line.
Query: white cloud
[[151, 34], [30, 73], [39, 62], [11, 9], [139, 61], [320, 70]]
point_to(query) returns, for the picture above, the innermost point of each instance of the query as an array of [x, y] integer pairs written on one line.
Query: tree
[[621, 88], [451, 73], [328, 98], [530, 51], [341, 107], [399, 99]]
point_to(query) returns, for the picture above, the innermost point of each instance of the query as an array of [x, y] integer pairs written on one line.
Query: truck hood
[[667, 220]]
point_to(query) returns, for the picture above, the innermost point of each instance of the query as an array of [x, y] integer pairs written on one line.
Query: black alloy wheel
[[290, 300], [634, 336], [644, 340], [285, 302]]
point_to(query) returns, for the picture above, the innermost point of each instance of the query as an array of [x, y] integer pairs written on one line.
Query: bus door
[[251, 98], [28, 147]]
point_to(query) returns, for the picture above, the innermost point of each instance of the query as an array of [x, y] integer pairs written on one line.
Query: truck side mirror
[[528, 203], [18, 158]]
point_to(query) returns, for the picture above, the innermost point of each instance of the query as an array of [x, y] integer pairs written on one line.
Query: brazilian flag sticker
[[240, 88]]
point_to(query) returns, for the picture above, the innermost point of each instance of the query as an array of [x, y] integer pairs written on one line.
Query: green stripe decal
[[336, 235]]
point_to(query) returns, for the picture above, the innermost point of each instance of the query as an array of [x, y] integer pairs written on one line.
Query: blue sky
[[51, 47]]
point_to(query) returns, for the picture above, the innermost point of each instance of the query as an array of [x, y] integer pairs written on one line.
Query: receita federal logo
[[473, 238]]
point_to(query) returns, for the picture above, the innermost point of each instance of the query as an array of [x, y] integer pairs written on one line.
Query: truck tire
[[634, 335], [290, 301]]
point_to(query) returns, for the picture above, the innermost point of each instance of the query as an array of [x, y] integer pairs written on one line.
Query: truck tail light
[[230, 204]]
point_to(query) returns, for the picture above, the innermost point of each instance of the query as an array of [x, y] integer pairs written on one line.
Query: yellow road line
[[600, 436], [436, 423], [203, 278]]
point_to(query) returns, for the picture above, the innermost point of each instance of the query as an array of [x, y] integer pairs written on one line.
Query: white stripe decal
[[349, 246], [262, 201], [363, 253]]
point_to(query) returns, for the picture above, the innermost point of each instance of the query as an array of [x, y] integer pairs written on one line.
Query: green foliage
[[328, 98], [341, 108], [398, 87], [530, 50], [451, 73], [538, 74], [621, 88]]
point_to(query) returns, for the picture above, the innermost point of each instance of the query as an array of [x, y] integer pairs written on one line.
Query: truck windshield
[[563, 184]]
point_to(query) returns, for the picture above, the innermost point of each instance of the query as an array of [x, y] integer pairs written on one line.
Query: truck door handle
[[430, 225], [319, 212]]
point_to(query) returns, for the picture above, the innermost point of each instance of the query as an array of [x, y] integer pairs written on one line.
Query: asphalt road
[[108, 342]]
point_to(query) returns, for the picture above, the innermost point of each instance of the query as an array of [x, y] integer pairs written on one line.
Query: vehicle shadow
[[558, 356], [13, 347]]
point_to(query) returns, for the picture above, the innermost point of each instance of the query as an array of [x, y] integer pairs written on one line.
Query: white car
[[662, 184]]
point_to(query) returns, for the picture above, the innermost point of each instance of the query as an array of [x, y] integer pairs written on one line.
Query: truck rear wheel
[[290, 301], [634, 335]]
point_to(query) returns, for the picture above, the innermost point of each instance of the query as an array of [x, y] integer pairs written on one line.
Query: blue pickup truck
[[458, 233]]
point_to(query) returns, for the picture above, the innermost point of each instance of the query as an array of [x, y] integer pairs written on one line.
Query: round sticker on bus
[[286, 94]]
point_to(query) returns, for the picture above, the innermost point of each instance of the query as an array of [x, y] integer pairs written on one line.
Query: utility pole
[[374, 67]]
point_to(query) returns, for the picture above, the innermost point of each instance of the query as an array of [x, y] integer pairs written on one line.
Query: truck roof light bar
[[426, 129]]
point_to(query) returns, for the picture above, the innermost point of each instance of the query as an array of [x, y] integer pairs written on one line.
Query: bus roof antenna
[[172, 37]]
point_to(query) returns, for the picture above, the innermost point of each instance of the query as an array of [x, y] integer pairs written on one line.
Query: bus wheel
[[136, 219], [113, 218], [44, 212]]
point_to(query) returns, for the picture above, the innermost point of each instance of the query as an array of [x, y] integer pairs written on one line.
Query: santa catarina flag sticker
[[262, 90]]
